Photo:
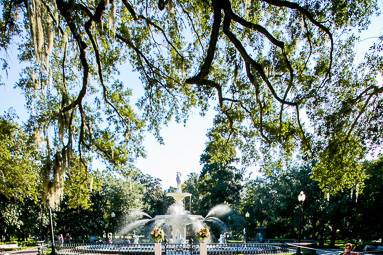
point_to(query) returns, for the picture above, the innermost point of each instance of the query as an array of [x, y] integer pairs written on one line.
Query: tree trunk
[[314, 231], [7, 237], [333, 236], [321, 234]]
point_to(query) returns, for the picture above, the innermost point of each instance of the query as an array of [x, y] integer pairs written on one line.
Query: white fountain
[[178, 220]]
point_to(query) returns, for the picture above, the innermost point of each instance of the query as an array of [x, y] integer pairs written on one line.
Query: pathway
[[29, 251]]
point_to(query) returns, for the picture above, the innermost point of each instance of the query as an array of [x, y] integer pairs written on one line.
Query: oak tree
[[280, 73]]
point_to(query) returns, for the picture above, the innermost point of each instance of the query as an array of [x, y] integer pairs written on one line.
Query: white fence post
[[203, 248], [157, 248]]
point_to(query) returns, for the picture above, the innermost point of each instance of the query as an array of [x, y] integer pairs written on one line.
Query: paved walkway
[[30, 251]]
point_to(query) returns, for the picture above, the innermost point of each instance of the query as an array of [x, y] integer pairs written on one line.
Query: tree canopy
[[272, 204], [19, 164], [281, 75]]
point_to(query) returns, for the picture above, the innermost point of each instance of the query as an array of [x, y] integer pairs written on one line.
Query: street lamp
[[301, 200], [247, 215], [112, 215], [52, 232]]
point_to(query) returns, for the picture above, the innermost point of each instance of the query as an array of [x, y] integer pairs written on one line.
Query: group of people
[[61, 239]]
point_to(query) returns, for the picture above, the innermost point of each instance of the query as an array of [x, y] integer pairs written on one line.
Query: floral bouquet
[[157, 234], [203, 233]]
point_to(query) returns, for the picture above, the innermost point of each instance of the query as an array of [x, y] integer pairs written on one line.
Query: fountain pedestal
[[178, 196], [179, 216]]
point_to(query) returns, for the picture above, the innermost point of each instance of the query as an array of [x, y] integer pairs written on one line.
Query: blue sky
[[183, 144]]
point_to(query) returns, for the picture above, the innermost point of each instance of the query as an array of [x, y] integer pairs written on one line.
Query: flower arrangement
[[157, 234], [203, 233]]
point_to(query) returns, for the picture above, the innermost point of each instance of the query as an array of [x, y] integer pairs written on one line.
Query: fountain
[[178, 220]]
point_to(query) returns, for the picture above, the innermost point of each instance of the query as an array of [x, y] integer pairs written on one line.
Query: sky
[[183, 144]]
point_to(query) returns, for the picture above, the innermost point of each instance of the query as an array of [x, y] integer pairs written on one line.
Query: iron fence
[[174, 249], [247, 248]]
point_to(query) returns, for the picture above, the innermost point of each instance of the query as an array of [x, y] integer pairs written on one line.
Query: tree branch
[[274, 41], [97, 18], [65, 11], [359, 114], [192, 24], [238, 45], [204, 70], [306, 13], [305, 140], [258, 100], [53, 17]]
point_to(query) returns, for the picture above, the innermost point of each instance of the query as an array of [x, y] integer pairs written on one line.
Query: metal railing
[[247, 248], [178, 249], [174, 249], [133, 249]]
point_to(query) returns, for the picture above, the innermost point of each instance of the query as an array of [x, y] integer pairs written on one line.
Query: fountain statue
[[136, 239], [178, 180], [222, 238], [178, 196]]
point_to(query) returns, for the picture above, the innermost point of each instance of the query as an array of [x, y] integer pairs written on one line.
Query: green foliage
[[79, 185], [110, 200], [340, 167], [123, 194], [19, 218], [220, 150], [190, 185], [219, 181], [154, 199], [368, 221], [28, 243], [11, 216], [19, 165], [272, 203]]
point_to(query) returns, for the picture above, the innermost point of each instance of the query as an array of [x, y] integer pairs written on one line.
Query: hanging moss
[[54, 182], [42, 31], [112, 16]]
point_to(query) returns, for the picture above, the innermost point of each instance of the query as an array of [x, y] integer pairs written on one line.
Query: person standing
[[68, 238], [61, 239], [347, 249]]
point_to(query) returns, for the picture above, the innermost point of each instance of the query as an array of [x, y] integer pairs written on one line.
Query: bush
[[28, 243]]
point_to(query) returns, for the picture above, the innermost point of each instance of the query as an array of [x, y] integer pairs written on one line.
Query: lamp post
[[112, 215], [52, 231], [247, 215], [301, 200]]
